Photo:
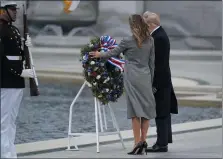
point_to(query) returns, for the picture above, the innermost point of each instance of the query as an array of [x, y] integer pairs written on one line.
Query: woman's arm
[[116, 51]]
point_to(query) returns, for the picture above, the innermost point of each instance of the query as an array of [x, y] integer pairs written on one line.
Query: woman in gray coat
[[138, 77]]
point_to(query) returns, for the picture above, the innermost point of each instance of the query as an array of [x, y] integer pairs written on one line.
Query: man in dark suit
[[166, 102]]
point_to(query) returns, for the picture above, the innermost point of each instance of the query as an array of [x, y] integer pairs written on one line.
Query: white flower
[[95, 69], [95, 83], [98, 77], [107, 90], [90, 45], [84, 57], [89, 85], [92, 63], [107, 79]]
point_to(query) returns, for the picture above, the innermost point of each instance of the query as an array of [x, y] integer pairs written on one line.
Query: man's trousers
[[164, 130], [10, 102]]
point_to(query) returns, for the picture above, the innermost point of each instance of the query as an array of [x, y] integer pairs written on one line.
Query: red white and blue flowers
[[104, 76]]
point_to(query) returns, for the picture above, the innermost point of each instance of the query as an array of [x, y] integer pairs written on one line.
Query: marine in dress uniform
[[12, 74]]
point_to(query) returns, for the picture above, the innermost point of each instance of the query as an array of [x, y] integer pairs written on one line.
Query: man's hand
[[27, 73], [28, 41], [154, 90]]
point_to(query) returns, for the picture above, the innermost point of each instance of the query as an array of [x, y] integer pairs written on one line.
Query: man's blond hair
[[150, 17]]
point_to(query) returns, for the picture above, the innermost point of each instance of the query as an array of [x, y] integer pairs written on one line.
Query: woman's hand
[[94, 54]]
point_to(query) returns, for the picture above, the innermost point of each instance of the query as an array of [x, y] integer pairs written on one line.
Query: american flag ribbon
[[108, 43]]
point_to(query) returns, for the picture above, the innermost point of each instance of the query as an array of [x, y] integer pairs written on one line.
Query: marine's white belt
[[14, 57]]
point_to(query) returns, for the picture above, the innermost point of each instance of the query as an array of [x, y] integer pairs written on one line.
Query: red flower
[[94, 74]]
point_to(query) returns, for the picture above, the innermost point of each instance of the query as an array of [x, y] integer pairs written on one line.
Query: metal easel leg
[[97, 110], [96, 123], [70, 117], [104, 116], [111, 116], [100, 117], [116, 125]]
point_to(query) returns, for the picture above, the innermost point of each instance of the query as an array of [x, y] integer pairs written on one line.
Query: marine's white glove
[[28, 41], [27, 73]]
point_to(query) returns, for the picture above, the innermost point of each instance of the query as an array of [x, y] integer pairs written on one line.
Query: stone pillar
[[139, 7], [122, 7]]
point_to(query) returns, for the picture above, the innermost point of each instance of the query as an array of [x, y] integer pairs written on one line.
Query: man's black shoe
[[157, 148]]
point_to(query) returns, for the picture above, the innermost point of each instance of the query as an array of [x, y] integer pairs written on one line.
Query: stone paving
[[200, 144]]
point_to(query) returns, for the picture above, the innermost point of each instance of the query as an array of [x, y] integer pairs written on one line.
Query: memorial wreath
[[103, 76]]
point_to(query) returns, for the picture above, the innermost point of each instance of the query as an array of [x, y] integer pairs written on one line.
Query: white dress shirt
[[154, 30]]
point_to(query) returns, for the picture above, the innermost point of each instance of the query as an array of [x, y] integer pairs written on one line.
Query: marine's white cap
[[8, 3]]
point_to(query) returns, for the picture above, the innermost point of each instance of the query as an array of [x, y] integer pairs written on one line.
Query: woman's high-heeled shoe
[[136, 149], [143, 148], [145, 145]]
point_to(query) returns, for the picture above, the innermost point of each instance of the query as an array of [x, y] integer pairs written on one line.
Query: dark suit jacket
[[166, 101]]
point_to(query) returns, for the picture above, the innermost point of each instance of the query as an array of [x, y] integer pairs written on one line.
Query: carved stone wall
[[189, 24], [194, 24]]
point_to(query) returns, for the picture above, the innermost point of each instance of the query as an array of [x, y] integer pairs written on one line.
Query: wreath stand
[[97, 113]]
